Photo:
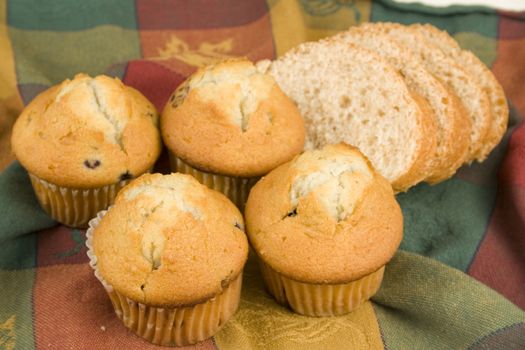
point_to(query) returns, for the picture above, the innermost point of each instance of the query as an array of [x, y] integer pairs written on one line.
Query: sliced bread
[[474, 99], [451, 135], [473, 65], [347, 93]]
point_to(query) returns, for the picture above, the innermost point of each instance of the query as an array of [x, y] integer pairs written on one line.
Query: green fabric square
[[44, 57], [485, 48], [70, 15], [457, 19], [16, 326], [423, 304], [19, 253], [20, 210], [446, 221], [475, 28], [334, 15]]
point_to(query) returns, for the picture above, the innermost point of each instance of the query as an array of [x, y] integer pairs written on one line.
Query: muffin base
[[235, 188], [71, 206], [320, 299], [169, 326]]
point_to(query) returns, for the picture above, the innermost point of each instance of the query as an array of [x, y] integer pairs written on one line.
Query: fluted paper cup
[[71, 206], [176, 326], [235, 188], [320, 299]]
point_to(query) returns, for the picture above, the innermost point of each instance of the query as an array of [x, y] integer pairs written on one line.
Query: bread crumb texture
[[350, 94], [452, 133], [483, 75], [452, 72], [231, 119], [87, 132], [170, 241], [325, 217], [412, 100]]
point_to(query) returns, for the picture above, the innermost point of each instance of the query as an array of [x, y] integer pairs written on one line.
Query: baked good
[[229, 124], [348, 93], [170, 253], [81, 141], [464, 85], [363, 86], [498, 103], [323, 227], [452, 129]]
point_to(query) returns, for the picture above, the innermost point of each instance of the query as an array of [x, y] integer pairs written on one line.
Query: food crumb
[[103, 328]]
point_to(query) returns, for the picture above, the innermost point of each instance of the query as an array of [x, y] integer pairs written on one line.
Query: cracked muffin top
[[325, 217], [231, 119], [87, 132], [170, 241]]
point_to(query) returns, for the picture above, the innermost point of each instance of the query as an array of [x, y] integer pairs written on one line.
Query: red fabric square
[[185, 50], [172, 55], [155, 81], [511, 25], [73, 311], [61, 245], [500, 260], [195, 14], [509, 73]]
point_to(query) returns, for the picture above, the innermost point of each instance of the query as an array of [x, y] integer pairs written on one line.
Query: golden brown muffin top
[[325, 217], [170, 241], [87, 132], [231, 119]]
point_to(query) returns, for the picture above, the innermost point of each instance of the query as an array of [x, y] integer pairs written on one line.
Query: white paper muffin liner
[[235, 188], [74, 207], [320, 299], [177, 326]]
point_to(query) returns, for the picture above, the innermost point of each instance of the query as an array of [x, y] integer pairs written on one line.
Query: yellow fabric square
[[261, 323], [294, 22]]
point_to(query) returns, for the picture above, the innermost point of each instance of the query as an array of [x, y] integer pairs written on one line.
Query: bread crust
[[312, 246], [424, 162], [444, 67], [460, 148], [452, 133], [498, 103], [87, 132], [170, 241], [199, 123]]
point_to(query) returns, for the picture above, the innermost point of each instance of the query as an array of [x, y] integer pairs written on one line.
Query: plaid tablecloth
[[459, 280]]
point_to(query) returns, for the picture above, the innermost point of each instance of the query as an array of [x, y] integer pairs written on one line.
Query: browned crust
[[316, 248], [433, 90], [498, 103], [202, 135], [51, 141], [458, 136], [427, 147], [484, 123], [459, 132], [460, 148]]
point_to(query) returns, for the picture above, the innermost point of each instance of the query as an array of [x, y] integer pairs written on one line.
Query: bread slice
[[473, 65], [450, 134], [347, 93], [464, 85]]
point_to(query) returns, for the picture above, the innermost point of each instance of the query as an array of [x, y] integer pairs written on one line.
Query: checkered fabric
[[458, 281]]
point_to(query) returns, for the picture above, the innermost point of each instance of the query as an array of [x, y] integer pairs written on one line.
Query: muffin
[[228, 124], [170, 253], [83, 140], [323, 227]]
